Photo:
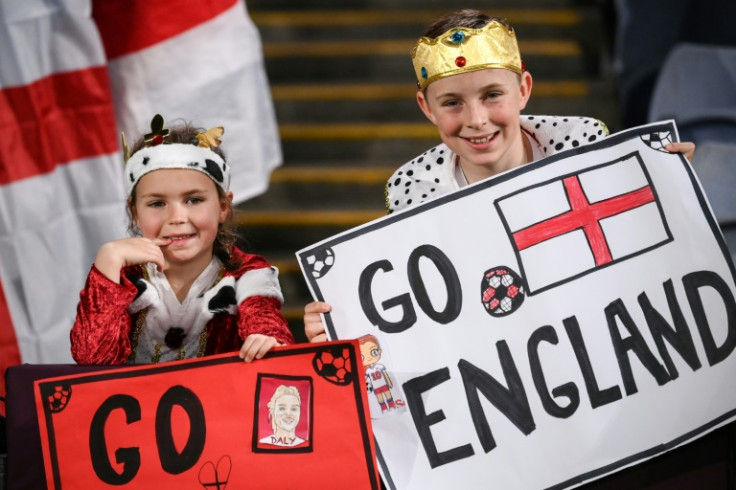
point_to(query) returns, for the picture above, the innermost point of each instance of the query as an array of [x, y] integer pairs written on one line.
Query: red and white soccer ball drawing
[[502, 291]]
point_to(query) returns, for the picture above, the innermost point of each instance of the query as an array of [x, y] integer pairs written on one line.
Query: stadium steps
[[344, 93]]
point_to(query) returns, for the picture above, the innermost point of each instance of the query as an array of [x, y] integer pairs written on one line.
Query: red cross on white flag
[[583, 221]]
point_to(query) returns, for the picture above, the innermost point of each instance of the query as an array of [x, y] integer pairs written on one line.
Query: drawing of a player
[[284, 412], [376, 377]]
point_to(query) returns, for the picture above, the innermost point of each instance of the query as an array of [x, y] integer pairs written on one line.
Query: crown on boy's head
[[462, 49], [158, 153]]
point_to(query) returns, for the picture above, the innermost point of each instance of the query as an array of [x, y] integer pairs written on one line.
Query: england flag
[[73, 74], [583, 220]]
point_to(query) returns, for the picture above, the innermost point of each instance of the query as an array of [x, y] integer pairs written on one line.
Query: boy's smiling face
[[477, 115]]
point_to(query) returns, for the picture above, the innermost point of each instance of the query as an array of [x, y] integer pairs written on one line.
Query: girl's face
[[477, 115], [182, 206]]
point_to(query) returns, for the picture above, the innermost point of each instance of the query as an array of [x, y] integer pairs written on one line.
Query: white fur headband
[[180, 156]]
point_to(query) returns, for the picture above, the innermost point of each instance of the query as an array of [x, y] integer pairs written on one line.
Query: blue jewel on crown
[[424, 72], [457, 37]]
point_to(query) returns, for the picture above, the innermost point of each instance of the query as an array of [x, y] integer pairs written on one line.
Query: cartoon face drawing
[[284, 419], [369, 350], [286, 412], [377, 378]]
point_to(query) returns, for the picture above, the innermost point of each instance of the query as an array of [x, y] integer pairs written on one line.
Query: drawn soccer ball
[[657, 140], [320, 262], [334, 365], [502, 291], [58, 399]]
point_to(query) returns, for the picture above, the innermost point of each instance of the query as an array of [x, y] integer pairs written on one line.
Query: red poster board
[[295, 419]]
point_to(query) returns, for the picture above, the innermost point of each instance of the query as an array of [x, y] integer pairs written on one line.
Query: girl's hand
[[687, 148], [256, 346], [313, 326], [117, 254]]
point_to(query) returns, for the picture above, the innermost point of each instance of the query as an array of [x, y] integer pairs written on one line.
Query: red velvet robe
[[103, 330]]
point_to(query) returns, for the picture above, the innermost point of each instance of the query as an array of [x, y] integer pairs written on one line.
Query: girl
[[179, 288]]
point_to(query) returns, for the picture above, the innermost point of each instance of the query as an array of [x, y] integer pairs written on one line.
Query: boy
[[473, 86]]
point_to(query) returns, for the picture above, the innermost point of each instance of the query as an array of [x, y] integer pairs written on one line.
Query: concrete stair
[[344, 92]]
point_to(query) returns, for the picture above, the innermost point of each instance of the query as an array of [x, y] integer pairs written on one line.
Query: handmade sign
[[542, 328], [296, 419]]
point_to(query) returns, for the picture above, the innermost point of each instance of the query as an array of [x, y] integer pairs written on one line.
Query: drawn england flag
[[584, 221]]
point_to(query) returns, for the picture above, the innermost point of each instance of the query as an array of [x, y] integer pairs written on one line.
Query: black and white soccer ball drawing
[[320, 262], [657, 141]]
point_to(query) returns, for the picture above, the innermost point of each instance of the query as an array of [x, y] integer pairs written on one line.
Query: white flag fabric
[[200, 60], [61, 189], [73, 74]]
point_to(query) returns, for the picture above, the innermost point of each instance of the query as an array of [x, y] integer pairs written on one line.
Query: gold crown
[[461, 50], [158, 135]]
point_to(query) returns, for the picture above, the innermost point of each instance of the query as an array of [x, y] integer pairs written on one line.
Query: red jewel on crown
[[460, 61], [158, 133]]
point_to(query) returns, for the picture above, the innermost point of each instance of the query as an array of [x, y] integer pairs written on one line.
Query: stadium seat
[[715, 165], [697, 88]]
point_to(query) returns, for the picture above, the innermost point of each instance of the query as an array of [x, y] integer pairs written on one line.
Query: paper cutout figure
[[377, 379]]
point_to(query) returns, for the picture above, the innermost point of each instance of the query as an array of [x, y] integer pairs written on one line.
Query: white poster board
[[542, 328]]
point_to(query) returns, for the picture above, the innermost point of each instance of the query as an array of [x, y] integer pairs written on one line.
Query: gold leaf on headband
[[126, 150], [211, 137]]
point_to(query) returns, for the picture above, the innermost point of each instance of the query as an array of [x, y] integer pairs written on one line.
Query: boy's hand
[[687, 148], [313, 326], [117, 254], [256, 346]]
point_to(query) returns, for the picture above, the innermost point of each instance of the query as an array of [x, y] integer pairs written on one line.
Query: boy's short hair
[[469, 18]]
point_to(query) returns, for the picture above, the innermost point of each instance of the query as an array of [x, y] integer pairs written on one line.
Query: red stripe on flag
[[55, 120], [127, 26], [9, 352], [583, 215]]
